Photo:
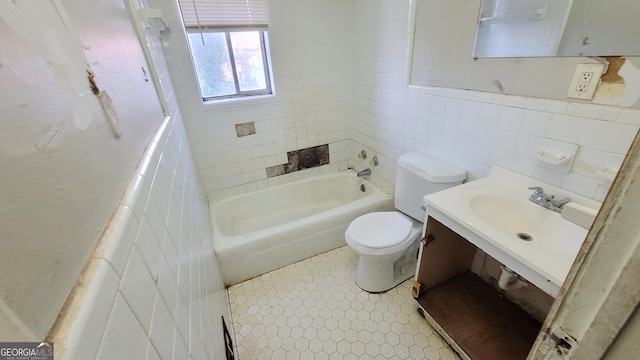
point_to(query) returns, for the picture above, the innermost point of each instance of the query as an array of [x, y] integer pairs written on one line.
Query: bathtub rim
[[377, 190], [243, 257]]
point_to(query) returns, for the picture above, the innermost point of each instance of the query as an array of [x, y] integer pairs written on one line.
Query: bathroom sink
[[522, 220], [495, 214]]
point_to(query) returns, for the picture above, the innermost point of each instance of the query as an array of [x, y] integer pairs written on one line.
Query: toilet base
[[379, 273]]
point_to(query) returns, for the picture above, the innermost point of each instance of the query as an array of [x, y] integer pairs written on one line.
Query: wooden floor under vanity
[[479, 320]]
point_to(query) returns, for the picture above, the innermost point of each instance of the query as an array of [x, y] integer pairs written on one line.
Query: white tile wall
[[152, 288], [160, 294], [493, 134], [345, 84], [309, 43], [472, 129], [123, 336]]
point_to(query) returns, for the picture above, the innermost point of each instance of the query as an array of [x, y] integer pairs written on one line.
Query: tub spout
[[365, 172]]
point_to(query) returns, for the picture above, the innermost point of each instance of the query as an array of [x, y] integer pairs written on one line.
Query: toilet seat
[[380, 230]]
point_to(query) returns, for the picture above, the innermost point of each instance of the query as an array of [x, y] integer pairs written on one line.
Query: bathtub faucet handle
[[365, 172]]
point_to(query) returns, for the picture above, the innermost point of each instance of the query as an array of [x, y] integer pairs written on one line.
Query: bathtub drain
[[363, 188]]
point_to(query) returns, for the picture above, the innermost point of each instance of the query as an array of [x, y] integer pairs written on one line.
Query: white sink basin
[[522, 220], [491, 213]]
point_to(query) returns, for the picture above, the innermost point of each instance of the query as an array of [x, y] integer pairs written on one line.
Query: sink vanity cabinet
[[492, 214], [472, 316], [443, 254]]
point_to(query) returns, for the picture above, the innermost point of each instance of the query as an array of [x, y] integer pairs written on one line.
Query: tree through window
[[228, 42]]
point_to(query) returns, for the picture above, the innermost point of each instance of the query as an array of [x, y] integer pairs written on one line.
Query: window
[[228, 42]]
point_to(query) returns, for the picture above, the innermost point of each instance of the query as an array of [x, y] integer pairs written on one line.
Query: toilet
[[387, 242]]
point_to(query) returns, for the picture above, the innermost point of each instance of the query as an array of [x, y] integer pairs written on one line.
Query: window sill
[[246, 100]]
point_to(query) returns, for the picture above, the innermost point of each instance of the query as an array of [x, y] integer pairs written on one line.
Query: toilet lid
[[380, 229]]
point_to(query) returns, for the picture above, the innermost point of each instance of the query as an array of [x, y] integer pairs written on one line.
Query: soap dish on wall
[[608, 173], [553, 159], [556, 155]]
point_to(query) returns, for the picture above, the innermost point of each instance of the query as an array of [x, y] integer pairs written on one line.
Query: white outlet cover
[[590, 89]]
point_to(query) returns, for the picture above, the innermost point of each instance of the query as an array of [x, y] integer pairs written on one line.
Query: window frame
[[239, 94]]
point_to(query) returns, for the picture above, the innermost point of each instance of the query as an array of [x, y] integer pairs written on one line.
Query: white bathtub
[[265, 230]]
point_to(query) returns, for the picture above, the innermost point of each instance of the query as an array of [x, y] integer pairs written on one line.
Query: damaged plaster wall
[[63, 170], [620, 84], [436, 62]]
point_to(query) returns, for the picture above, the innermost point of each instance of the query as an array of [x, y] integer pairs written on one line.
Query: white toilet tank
[[419, 175]]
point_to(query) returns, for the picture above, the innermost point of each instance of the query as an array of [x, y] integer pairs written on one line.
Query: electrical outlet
[[585, 81]]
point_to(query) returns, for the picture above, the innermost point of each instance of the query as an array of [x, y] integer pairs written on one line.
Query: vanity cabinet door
[[443, 255]]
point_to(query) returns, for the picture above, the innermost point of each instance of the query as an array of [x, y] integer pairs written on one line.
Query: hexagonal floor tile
[[321, 313]]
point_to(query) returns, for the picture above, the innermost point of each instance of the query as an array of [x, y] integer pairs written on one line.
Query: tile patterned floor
[[314, 310]]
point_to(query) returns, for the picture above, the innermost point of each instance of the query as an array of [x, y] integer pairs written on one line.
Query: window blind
[[220, 14]]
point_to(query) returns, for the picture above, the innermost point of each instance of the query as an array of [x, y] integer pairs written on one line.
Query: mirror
[[535, 28]]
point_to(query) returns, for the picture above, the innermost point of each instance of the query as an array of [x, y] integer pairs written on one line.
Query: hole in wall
[[245, 129], [301, 159]]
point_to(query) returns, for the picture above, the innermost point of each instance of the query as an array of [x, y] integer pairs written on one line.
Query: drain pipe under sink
[[509, 280]]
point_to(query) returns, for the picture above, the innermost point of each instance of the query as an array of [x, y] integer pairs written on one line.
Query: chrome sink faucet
[[547, 201]]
